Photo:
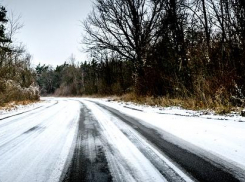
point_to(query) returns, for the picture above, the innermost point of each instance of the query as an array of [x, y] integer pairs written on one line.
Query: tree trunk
[[206, 24]]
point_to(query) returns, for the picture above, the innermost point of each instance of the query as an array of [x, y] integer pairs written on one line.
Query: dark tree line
[[95, 77]]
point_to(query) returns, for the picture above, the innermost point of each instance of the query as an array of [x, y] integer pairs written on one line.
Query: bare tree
[[128, 28], [14, 25]]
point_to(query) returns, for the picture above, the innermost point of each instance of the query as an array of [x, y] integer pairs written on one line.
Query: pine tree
[[3, 20]]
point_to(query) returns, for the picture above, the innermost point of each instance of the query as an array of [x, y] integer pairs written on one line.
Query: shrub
[[12, 91]]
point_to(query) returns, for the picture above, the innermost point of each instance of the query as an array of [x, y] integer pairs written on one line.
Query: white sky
[[52, 29]]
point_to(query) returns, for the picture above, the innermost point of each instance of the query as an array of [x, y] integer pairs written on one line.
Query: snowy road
[[82, 140]]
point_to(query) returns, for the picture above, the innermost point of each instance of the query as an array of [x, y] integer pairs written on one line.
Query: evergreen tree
[[3, 21]]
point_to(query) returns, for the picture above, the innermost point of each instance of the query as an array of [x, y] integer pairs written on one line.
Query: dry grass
[[160, 101], [12, 105], [220, 106]]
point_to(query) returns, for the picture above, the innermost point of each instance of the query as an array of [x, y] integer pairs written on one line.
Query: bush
[[12, 91]]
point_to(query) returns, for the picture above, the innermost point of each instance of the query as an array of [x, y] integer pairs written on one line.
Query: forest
[[188, 50], [177, 49]]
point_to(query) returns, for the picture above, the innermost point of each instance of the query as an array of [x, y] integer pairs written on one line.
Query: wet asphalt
[[84, 167]]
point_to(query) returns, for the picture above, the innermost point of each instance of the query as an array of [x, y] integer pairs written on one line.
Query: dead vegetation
[[219, 104], [14, 104]]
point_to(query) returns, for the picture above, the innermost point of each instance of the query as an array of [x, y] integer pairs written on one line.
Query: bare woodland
[[161, 48]]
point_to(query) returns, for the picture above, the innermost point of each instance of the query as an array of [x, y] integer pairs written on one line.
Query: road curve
[[75, 140], [200, 168]]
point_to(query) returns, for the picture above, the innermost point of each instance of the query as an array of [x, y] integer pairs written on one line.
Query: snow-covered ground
[[223, 136], [37, 142], [35, 145], [131, 157], [19, 109]]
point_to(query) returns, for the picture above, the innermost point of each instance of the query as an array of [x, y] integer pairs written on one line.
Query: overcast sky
[[52, 28]]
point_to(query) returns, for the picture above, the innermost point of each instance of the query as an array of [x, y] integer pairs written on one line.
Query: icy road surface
[[72, 140]]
